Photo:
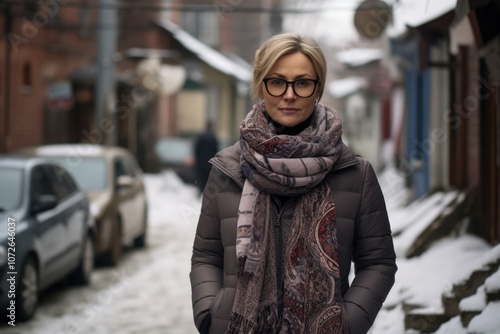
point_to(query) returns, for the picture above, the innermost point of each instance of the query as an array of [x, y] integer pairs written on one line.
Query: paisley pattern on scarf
[[312, 301], [288, 165]]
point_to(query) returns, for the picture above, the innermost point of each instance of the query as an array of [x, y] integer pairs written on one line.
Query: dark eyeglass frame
[[315, 81]]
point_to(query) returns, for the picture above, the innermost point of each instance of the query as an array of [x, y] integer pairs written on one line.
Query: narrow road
[[148, 292]]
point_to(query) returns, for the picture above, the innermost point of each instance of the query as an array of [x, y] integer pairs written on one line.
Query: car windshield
[[90, 173], [11, 185]]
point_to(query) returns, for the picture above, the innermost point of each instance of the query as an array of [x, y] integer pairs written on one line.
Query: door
[[50, 228], [125, 191], [73, 203]]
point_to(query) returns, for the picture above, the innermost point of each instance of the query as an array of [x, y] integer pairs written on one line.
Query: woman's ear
[[261, 92]]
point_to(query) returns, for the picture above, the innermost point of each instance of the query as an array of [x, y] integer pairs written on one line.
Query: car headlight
[[3, 255]]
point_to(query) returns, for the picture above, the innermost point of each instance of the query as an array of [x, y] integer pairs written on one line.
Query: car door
[[131, 193], [73, 202], [125, 195], [139, 201], [50, 228]]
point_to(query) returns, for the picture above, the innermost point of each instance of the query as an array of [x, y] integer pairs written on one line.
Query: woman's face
[[290, 109]]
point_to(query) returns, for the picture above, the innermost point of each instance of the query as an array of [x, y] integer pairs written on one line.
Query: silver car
[[46, 232], [114, 183]]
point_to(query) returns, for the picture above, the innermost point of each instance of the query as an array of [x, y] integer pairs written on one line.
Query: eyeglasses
[[301, 87]]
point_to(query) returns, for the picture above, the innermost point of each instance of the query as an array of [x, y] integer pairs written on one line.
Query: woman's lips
[[288, 110]]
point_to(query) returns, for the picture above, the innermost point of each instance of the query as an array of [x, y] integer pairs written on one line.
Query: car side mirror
[[44, 203], [124, 181]]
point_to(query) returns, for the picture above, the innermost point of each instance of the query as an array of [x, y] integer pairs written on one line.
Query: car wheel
[[27, 296], [82, 273], [114, 254], [140, 241]]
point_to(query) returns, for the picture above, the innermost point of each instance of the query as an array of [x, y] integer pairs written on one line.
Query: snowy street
[[149, 292]]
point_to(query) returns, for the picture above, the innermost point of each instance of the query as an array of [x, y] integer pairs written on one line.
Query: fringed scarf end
[[239, 324], [267, 322]]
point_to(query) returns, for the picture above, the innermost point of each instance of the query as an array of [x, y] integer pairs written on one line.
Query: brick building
[[48, 55], [49, 68], [39, 47]]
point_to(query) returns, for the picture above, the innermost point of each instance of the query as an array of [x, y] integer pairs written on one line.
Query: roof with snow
[[359, 56], [414, 13], [343, 87], [208, 55]]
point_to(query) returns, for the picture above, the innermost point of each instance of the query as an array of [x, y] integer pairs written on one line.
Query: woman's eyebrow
[[300, 76]]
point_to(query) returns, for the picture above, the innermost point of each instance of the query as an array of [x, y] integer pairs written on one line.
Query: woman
[[286, 210]]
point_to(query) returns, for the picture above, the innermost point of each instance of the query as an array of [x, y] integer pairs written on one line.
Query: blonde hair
[[278, 45]]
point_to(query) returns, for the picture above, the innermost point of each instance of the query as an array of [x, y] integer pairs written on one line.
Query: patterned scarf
[[288, 165]]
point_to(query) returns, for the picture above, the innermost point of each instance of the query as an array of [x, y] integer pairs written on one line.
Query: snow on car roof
[[78, 149]]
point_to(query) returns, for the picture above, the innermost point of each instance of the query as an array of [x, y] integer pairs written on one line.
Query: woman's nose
[[289, 92]]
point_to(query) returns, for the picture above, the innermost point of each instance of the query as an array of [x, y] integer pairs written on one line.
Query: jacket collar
[[228, 161]]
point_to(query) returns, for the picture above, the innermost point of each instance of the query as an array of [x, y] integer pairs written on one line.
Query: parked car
[[176, 154], [114, 183], [46, 232]]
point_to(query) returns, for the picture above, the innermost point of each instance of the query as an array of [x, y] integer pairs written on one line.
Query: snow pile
[[422, 280]]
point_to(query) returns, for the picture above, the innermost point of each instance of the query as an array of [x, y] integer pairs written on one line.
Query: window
[[27, 79], [11, 183], [63, 183], [203, 26], [90, 173], [119, 168], [40, 184], [129, 166], [209, 29]]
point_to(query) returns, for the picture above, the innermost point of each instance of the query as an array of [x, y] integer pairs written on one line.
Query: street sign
[[371, 18], [60, 96]]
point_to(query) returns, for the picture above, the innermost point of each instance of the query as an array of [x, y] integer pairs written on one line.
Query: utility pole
[[4, 144], [105, 118]]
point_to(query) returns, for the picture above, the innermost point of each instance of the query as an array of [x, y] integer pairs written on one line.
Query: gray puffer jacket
[[363, 232]]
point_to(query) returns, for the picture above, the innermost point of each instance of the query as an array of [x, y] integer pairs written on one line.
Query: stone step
[[466, 317], [492, 296], [443, 225], [420, 320], [459, 291], [424, 323]]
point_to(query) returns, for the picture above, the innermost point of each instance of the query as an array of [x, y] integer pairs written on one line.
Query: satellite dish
[[371, 18]]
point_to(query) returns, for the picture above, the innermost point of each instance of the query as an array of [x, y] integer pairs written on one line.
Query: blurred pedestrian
[[205, 147], [287, 209]]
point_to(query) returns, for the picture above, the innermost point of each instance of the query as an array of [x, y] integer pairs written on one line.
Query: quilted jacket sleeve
[[374, 258], [207, 259]]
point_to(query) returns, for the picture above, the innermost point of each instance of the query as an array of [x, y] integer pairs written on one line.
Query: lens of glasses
[[302, 87]]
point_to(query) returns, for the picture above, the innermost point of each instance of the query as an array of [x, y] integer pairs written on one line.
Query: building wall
[[471, 109], [41, 53], [191, 111], [437, 142]]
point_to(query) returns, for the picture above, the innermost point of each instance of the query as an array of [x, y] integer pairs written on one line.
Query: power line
[[218, 6]]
